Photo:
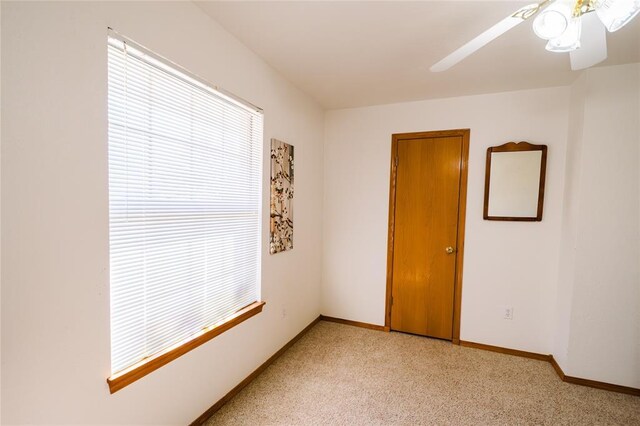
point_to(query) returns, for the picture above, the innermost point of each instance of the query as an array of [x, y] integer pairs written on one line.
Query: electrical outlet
[[284, 313], [507, 312]]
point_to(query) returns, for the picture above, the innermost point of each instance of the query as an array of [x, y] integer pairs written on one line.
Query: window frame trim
[[153, 362]]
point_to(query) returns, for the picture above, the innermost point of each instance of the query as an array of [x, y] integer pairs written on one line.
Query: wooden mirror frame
[[516, 147]]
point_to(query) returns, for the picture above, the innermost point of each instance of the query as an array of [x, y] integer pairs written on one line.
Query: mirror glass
[[514, 187]]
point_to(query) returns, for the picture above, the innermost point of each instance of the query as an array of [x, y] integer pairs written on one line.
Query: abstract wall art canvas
[[281, 224]]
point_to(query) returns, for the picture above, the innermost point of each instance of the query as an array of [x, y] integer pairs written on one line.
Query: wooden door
[[427, 213]]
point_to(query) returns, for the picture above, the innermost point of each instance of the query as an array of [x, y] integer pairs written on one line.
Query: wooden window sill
[[147, 365]]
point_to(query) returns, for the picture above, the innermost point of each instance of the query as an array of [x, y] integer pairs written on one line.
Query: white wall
[[505, 264], [569, 230], [55, 288], [600, 279]]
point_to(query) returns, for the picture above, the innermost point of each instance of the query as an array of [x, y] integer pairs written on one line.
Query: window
[[185, 170]]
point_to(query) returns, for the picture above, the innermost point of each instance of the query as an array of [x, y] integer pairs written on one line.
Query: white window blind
[[185, 167]]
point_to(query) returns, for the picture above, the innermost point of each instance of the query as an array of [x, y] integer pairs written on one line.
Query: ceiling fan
[[568, 25]]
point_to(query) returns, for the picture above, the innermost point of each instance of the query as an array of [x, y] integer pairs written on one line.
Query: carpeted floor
[[343, 375]]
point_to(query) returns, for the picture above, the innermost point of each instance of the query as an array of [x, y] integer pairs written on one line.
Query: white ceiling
[[347, 54]]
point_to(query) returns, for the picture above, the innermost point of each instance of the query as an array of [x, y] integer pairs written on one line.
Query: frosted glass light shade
[[569, 40], [615, 14], [553, 21]]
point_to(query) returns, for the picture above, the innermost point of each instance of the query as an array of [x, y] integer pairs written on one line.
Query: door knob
[[450, 250]]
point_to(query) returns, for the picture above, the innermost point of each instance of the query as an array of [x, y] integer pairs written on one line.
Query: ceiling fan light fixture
[[569, 40], [615, 14], [552, 21]]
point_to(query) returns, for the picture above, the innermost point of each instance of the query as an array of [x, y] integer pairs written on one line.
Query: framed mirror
[[514, 182]]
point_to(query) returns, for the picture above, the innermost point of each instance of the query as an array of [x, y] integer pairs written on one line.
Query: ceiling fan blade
[[489, 35], [593, 44]]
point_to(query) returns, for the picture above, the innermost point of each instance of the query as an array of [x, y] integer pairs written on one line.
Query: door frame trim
[[462, 209]]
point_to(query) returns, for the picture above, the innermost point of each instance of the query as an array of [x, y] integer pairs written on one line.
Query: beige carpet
[[342, 375]]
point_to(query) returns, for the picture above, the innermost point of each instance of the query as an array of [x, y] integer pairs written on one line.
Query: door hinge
[[391, 300], [396, 161]]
